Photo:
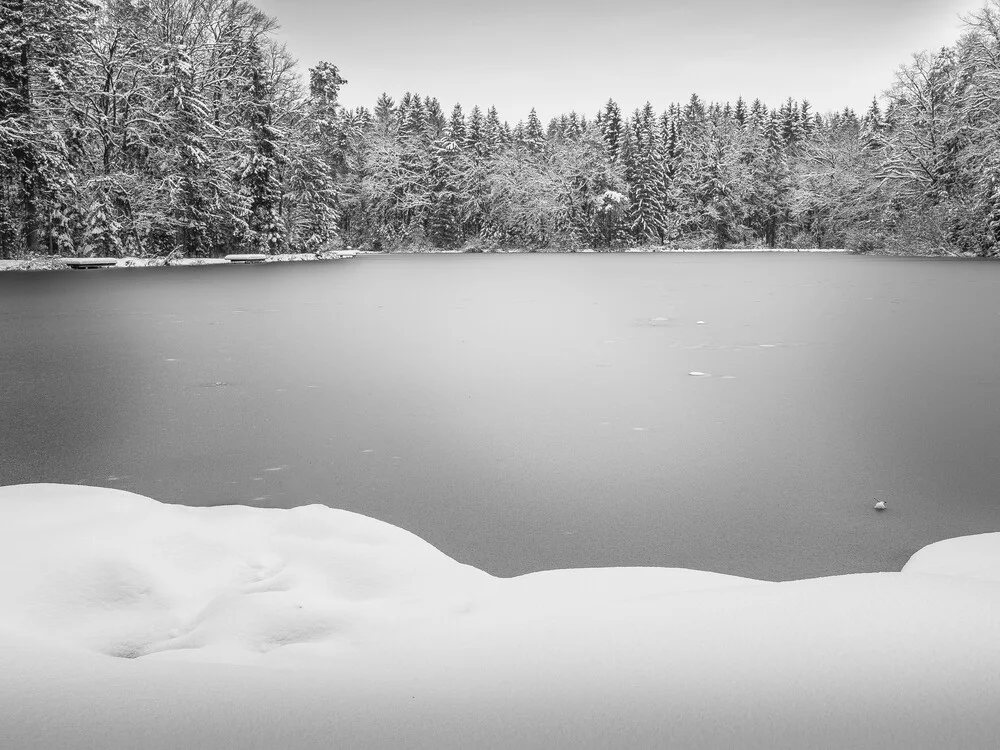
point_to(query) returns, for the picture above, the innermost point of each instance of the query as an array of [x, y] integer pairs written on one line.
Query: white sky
[[558, 55]]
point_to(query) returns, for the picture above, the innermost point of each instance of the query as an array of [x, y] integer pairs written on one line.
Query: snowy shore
[[129, 623], [52, 263], [47, 263]]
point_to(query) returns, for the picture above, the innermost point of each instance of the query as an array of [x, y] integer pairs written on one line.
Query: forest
[[182, 128]]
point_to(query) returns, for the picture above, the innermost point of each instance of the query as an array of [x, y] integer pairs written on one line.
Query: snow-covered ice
[[127, 623]]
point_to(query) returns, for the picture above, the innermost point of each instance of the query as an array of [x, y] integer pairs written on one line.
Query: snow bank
[[976, 556], [318, 628]]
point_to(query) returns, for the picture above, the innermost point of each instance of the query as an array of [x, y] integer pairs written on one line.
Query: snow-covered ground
[[127, 623], [51, 263]]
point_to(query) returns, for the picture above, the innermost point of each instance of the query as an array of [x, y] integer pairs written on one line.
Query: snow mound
[[314, 628], [976, 556], [127, 576]]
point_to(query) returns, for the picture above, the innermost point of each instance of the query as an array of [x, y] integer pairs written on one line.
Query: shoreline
[[53, 263]]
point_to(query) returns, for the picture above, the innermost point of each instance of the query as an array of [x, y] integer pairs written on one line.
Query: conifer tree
[[261, 176], [325, 83], [573, 129], [740, 112], [474, 130], [534, 138], [518, 133], [871, 127], [385, 112], [647, 215], [445, 220], [435, 117], [414, 117], [492, 132], [456, 125], [612, 130], [694, 110], [807, 120]]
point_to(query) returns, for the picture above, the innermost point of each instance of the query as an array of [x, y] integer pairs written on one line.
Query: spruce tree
[[871, 127], [385, 112], [647, 214], [456, 125], [534, 138], [435, 117], [414, 116], [492, 132], [265, 221], [612, 130], [474, 130], [740, 113], [694, 110]]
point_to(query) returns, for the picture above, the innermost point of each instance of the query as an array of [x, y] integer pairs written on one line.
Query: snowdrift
[[127, 623]]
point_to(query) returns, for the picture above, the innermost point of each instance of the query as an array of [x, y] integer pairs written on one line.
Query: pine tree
[[518, 134], [435, 117], [807, 120], [534, 138], [647, 214], [506, 135], [871, 127], [445, 219], [791, 125], [573, 129], [695, 111], [474, 130], [413, 117], [325, 83], [261, 176], [740, 113], [103, 231], [769, 207], [612, 130], [385, 112], [492, 132], [456, 125]]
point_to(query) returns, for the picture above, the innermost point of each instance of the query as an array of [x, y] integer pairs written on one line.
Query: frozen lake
[[528, 412]]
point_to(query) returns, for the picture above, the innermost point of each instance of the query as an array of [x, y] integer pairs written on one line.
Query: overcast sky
[[562, 55]]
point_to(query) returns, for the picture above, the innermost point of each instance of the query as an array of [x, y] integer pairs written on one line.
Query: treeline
[[917, 174], [159, 126]]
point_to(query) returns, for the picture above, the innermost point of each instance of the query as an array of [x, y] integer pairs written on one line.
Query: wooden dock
[[246, 258], [85, 263]]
